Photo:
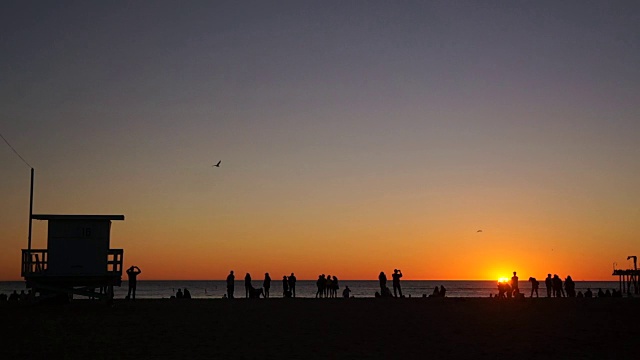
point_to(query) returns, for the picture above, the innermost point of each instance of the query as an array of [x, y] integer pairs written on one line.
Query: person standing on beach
[[266, 284], [534, 286], [132, 274], [514, 284], [285, 287], [548, 282], [320, 284], [383, 281], [247, 285], [231, 279], [292, 285], [397, 274]]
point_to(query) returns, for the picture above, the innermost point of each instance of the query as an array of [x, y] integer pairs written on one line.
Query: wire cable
[[14, 150]]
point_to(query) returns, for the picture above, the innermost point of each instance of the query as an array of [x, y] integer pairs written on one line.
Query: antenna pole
[[30, 214]]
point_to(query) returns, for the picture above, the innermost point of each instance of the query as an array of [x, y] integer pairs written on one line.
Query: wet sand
[[325, 328]]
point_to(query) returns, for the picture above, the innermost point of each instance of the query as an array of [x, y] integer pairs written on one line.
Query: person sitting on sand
[[600, 293], [383, 281], [436, 292], [266, 284], [580, 295], [186, 294], [607, 293], [230, 284], [534, 286], [588, 293], [346, 292], [179, 294], [132, 274], [443, 291]]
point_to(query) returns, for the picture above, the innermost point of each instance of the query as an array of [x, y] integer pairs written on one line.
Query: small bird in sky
[[479, 231], [217, 165]]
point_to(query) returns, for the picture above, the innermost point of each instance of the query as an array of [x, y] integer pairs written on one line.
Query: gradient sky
[[355, 136]]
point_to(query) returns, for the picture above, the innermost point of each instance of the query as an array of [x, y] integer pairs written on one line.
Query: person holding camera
[[397, 274], [132, 274]]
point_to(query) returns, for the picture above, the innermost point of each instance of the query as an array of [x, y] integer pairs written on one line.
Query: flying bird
[[479, 231], [217, 165]]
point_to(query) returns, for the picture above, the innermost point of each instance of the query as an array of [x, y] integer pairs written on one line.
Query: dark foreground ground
[[321, 329]]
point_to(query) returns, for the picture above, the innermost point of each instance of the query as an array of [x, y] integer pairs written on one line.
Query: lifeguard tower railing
[[34, 262]]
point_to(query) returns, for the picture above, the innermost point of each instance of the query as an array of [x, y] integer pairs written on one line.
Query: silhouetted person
[[187, 294], [3, 298], [334, 287], [247, 285], [345, 292], [607, 293], [436, 292], [588, 293], [285, 286], [23, 296], [266, 284], [132, 274], [327, 286], [600, 293], [292, 284], [14, 296], [580, 295], [508, 290], [534, 286], [397, 274], [179, 294], [548, 282], [320, 284], [557, 286], [443, 291], [231, 281], [383, 281], [514, 284], [570, 287]]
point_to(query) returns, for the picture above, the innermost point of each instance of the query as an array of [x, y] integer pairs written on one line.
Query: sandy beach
[[325, 328]]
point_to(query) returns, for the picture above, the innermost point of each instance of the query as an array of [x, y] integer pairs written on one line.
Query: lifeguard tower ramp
[[77, 260]]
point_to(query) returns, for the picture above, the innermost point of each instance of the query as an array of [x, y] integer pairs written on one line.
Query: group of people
[[327, 286], [384, 290], [288, 286], [554, 285], [182, 294]]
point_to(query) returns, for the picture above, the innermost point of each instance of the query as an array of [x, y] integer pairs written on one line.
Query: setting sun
[[503, 280]]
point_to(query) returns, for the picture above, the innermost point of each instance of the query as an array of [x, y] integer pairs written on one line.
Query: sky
[[355, 136]]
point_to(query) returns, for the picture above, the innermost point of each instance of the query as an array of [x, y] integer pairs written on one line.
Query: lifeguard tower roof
[[76, 217]]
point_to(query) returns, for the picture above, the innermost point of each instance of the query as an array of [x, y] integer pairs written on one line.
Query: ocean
[[212, 289]]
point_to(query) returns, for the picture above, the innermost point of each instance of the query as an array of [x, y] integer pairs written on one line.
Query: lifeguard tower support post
[[77, 259]]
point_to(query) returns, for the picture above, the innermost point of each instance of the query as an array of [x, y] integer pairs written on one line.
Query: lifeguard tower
[[77, 260], [629, 277]]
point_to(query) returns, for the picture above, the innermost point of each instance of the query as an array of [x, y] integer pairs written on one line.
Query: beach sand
[[325, 328]]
